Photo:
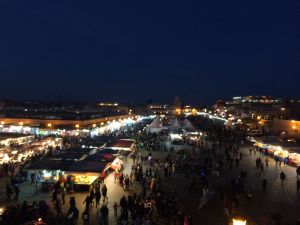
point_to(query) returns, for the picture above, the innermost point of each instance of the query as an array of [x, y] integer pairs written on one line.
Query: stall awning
[[50, 164], [88, 167]]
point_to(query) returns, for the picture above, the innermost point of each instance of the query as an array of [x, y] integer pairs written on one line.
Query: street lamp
[[77, 125], [94, 125], [49, 125]]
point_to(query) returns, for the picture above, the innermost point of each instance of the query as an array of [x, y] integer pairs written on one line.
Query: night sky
[[133, 51]]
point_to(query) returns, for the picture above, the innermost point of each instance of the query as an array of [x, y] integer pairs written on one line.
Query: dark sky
[[133, 51]]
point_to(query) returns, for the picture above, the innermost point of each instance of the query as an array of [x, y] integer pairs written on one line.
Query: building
[[63, 116]]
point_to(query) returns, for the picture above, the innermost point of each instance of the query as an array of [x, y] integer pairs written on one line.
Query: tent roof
[[187, 124], [156, 123], [88, 166], [100, 157], [176, 124], [69, 156], [50, 164]]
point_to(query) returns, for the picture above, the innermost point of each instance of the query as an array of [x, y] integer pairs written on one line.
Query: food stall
[[9, 139], [84, 173], [284, 151], [294, 159], [48, 171]]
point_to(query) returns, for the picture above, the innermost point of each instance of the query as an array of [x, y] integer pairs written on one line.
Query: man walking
[[267, 162], [282, 177], [63, 194], [97, 197], [264, 184]]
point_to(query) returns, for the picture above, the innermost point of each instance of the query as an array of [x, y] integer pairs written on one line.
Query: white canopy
[[156, 123], [188, 125], [176, 125]]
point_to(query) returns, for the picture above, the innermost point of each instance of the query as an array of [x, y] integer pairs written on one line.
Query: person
[[123, 203], [87, 202], [267, 162], [97, 197], [36, 185], [104, 215], [282, 177], [115, 206], [264, 184], [298, 185], [24, 211], [72, 216], [92, 195], [63, 194], [86, 217], [58, 208], [54, 195], [32, 176], [104, 191], [276, 160]]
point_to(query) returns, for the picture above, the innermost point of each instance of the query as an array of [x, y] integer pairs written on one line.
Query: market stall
[[13, 139], [82, 174], [24, 152], [288, 153], [48, 171], [155, 126]]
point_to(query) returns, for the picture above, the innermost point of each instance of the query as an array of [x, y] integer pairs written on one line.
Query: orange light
[[77, 126], [21, 123], [94, 125], [294, 127], [2, 122], [49, 125]]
